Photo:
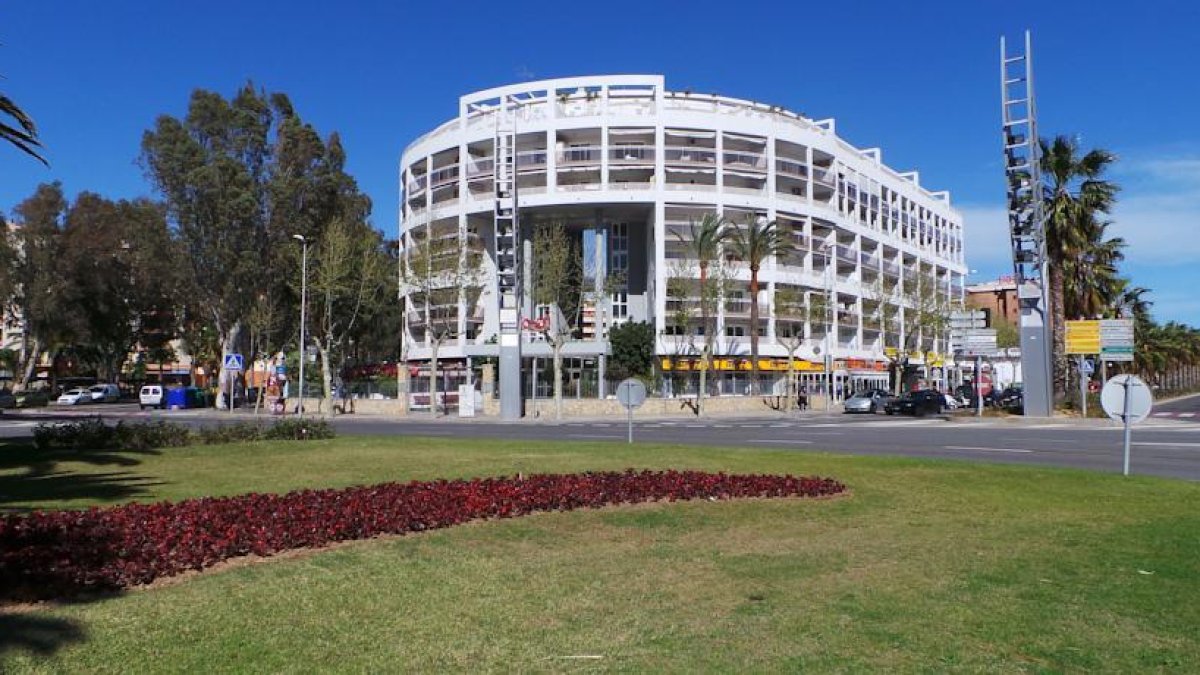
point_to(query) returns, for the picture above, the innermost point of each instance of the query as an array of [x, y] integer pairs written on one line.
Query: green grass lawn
[[926, 566]]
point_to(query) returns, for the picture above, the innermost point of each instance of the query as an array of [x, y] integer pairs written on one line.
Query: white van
[[151, 395], [105, 393]]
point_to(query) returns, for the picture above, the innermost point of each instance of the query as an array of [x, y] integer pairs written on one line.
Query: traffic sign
[[233, 362], [1113, 396], [1083, 337], [1127, 398], [1116, 339], [631, 393], [1087, 366]]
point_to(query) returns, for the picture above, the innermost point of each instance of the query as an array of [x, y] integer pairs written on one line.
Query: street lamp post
[[824, 250], [303, 304]]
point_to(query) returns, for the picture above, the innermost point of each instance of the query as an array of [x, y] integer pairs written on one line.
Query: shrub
[[230, 433], [56, 554], [299, 430], [87, 434], [150, 435]]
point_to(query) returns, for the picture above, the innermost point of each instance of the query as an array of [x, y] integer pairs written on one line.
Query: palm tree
[[1078, 192], [1092, 285], [704, 246], [753, 244], [18, 129]]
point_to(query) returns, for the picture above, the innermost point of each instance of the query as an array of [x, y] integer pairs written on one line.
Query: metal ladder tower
[[508, 260], [1027, 226]]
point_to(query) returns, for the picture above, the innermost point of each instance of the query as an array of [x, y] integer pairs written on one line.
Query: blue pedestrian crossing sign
[[233, 362], [1087, 366]]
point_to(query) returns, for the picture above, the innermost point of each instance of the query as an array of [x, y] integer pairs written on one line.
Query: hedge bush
[[93, 434], [62, 553]]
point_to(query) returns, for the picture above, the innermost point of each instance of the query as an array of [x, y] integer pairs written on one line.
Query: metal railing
[[631, 154], [824, 176], [746, 160], [583, 155], [416, 186], [788, 167], [444, 176], [689, 155], [480, 166], [531, 158]]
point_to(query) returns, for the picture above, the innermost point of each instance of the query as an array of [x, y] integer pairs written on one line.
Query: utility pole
[[303, 303]]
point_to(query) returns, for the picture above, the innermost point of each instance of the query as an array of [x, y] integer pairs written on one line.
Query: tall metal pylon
[[1027, 226], [508, 259]]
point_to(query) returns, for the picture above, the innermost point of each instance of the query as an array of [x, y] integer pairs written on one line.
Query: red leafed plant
[[61, 553]]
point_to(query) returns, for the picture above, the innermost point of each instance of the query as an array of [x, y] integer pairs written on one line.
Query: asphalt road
[[1166, 445]]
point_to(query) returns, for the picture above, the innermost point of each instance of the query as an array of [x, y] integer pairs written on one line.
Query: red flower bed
[[59, 553]]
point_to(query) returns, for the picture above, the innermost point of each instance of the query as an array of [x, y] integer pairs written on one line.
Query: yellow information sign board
[[1083, 337]]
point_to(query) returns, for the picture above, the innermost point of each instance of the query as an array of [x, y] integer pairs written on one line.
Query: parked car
[[105, 393], [917, 403], [32, 399], [869, 401], [152, 396], [953, 402], [7, 400], [1012, 399], [76, 396]]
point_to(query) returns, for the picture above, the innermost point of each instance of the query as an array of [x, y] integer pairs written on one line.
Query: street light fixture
[[303, 303], [824, 250]]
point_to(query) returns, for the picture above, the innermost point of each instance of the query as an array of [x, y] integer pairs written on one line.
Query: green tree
[[704, 247], [754, 243], [37, 290], [557, 285], [240, 177], [791, 314], [632, 350], [351, 279], [1078, 195]]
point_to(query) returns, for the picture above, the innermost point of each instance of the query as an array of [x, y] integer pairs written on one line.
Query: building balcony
[[746, 161], [631, 154], [791, 168], [689, 155], [446, 175], [580, 156], [824, 177], [527, 160]]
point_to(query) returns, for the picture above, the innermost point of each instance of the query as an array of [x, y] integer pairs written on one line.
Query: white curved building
[[626, 165]]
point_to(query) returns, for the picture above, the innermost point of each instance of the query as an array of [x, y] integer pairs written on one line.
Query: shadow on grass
[[38, 635], [31, 475]]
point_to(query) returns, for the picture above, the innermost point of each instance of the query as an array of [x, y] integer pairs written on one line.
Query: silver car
[[869, 401]]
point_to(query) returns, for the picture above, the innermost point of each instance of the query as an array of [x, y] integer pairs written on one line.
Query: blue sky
[[918, 79]]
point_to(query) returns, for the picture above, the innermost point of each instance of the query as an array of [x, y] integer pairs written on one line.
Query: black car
[[1012, 400], [918, 403]]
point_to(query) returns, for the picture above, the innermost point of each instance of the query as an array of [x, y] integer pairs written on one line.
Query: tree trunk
[[791, 381], [326, 377], [705, 362], [753, 331], [433, 363], [31, 359], [229, 342], [1058, 357], [557, 344], [402, 385]]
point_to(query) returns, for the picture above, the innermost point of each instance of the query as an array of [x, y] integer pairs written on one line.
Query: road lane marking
[[981, 449], [594, 436], [1187, 414], [1038, 440], [1166, 414], [777, 440], [1165, 443]]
